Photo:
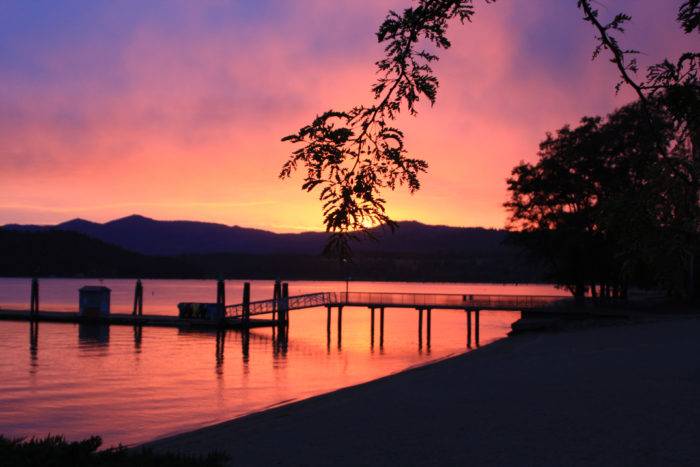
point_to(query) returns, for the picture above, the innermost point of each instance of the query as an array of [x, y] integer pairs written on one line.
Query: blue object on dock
[[94, 301]]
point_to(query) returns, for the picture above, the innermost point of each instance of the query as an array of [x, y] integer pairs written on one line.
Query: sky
[[175, 109]]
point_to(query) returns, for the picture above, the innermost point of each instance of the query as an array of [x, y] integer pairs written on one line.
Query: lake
[[130, 385]]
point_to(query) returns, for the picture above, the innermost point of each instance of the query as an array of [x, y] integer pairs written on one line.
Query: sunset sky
[[175, 109]]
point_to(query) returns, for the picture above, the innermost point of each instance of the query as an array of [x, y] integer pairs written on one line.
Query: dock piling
[[138, 299], [34, 298], [427, 324], [328, 328], [276, 296], [381, 327], [469, 328], [420, 327], [371, 327], [221, 297], [283, 310], [476, 327], [340, 326], [246, 301]]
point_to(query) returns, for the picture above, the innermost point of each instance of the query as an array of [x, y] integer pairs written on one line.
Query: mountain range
[[168, 238], [137, 246]]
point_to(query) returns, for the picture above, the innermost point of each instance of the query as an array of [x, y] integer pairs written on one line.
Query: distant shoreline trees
[[607, 203]]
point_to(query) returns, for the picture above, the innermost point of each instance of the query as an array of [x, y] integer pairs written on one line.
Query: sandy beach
[[611, 395]]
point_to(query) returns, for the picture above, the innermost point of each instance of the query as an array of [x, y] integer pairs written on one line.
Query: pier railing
[[295, 302], [446, 300], [403, 300]]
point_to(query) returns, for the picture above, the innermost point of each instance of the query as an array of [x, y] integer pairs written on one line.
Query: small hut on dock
[[94, 301]]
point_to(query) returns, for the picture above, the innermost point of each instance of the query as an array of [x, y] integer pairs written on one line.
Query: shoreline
[[543, 392], [292, 401], [288, 279]]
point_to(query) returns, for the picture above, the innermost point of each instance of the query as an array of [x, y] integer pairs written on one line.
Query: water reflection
[[93, 334], [188, 377], [33, 346], [280, 344], [245, 345], [138, 337], [220, 341]]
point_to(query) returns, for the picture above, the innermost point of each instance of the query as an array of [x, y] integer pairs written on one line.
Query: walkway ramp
[[401, 300]]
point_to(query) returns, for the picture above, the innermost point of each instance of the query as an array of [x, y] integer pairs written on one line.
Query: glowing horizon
[[175, 110]]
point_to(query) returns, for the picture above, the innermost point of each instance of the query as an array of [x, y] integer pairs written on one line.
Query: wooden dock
[[127, 319], [275, 312]]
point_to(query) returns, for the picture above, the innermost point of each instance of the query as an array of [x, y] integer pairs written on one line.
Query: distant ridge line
[[181, 237]]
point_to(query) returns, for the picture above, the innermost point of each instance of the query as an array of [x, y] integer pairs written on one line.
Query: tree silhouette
[[351, 157], [604, 206]]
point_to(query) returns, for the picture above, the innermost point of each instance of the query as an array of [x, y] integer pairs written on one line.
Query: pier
[[424, 304], [275, 312]]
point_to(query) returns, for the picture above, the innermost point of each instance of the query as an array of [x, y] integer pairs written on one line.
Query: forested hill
[[415, 253], [153, 237]]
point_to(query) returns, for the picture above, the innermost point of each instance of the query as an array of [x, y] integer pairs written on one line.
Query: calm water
[[130, 386]]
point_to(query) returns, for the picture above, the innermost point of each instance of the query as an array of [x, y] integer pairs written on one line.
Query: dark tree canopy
[[605, 207]]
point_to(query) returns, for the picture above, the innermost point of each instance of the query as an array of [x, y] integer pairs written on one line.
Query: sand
[[612, 395]]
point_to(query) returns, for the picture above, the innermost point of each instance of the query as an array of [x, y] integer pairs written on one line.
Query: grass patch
[[56, 451]]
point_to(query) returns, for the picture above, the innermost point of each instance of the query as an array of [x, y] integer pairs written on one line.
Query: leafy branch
[[351, 157], [661, 76], [679, 78]]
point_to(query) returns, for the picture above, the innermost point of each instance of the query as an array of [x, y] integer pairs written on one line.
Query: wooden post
[[476, 327], [276, 296], [420, 327], [221, 297], [372, 326], [246, 301], [138, 299], [381, 327], [340, 326], [34, 298], [328, 327], [469, 329], [428, 319], [283, 312]]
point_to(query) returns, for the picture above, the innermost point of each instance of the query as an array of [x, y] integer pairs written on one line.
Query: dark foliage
[[55, 451], [352, 156], [60, 253], [606, 207], [671, 87], [425, 253]]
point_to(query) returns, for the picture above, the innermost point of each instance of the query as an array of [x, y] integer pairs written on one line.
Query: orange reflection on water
[[131, 384]]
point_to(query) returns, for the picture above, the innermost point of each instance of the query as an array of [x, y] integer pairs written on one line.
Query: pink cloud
[[184, 119]]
